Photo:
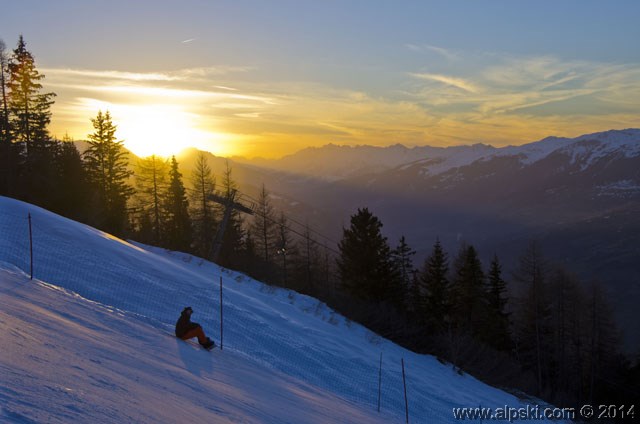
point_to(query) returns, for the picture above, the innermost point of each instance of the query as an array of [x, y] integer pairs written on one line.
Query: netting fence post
[[406, 402], [379, 382], [221, 316], [30, 246]]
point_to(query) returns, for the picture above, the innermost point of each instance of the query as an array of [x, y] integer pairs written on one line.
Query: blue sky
[[267, 78]]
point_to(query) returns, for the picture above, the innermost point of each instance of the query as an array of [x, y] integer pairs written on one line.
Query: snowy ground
[[287, 357], [69, 360]]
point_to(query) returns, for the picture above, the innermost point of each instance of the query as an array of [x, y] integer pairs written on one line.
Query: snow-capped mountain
[[577, 195], [332, 162]]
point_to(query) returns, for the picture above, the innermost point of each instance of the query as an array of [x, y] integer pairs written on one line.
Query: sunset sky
[[267, 78]]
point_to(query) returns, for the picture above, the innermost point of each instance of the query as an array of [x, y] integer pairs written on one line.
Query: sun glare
[[162, 130]]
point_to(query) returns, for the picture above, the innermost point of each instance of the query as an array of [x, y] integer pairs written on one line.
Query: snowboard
[[194, 343]]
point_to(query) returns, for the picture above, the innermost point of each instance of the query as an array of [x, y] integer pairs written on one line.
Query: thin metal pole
[[379, 382], [406, 403], [30, 246], [221, 315]]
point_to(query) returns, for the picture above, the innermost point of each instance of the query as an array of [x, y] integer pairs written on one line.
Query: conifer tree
[[469, 306], [71, 194], [534, 327], [434, 289], [176, 206], [203, 185], [31, 151], [365, 258], [497, 331], [152, 184], [264, 226], [286, 249], [107, 168], [568, 323], [30, 109], [402, 261], [232, 253], [307, 266], [603, 343]]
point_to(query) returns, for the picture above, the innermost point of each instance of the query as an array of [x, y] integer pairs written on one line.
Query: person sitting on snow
[[185, 329]]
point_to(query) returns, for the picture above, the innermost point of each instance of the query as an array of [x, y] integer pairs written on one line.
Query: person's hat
[[188, 308]]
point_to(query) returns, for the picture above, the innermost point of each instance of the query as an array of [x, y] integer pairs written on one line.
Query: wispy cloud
[[113, 75], [426, 48], [448, 80], [499, 99]]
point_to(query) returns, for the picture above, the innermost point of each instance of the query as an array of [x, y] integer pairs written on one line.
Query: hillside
[[286, 357], [577, 196]]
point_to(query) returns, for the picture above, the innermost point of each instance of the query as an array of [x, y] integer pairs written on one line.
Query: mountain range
[[579, 198]]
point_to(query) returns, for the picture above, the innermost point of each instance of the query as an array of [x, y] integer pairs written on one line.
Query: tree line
[[149, 201], [538, 330]]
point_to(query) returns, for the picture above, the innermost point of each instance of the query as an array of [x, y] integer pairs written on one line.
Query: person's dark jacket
[[184, 324]]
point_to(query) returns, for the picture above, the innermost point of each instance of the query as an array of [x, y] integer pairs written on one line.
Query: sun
[[162, 130]]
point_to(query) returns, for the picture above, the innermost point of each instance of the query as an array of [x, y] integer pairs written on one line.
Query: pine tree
[[232, 252], [31, 151], [29, 108], [365, 258], [403, 266], [285, 246], [178, 223], [497, 331], [468, 296], [152, 184], [603, 344], [203, 185], [534, 327], [434, 289], [264, 227], [71, 194], [106, 164], [308, 261], [567, 310]]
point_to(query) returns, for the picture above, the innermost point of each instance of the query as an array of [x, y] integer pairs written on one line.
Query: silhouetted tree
[[232, 253], [286, 248], [365, 258], [106, 164], [203, 185], [30, 109], [497, 330], [178, 223], [152, 184], [401, 258], [434, 290], [534, 327], [71, 192], [307, 264], [468, 297], [264, 226]]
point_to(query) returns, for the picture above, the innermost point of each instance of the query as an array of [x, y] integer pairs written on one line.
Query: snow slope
[[69, 360], [287, 357]]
